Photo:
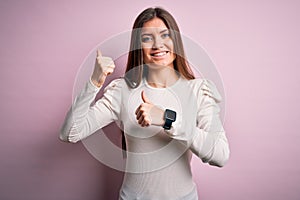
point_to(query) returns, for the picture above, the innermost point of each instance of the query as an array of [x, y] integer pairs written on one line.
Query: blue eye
[[146, 39], [165, 35]]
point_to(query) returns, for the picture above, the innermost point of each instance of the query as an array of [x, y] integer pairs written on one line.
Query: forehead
[[154, 24]]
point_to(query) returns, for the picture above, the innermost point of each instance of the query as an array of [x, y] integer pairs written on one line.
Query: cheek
[[173, 56], [146, 54], [170, 45]]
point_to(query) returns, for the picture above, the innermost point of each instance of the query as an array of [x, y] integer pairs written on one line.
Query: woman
[[166, 114]]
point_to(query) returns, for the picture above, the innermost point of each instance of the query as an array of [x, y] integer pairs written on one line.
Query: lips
[[159, 54]]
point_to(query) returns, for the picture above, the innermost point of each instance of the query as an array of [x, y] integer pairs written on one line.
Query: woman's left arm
[[207, 139]]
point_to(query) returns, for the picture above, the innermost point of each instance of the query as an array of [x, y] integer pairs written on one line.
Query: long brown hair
[[135, 69]]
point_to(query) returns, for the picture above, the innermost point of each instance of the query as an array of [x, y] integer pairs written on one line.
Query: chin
[[159, 65]]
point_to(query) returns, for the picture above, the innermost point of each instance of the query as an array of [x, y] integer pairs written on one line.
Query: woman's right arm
[[83, 118]]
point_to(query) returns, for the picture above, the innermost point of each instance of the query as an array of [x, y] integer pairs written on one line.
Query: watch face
[[170, 114]]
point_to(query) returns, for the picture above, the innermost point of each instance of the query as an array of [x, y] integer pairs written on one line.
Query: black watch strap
[[169, 117], [168, 124]]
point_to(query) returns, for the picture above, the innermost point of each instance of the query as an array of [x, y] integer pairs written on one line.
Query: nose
[[158, 43]]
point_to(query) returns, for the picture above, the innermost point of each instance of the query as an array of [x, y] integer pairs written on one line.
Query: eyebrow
[[165, 30]]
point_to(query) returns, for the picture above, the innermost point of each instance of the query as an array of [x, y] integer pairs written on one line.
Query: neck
[[161, 77]]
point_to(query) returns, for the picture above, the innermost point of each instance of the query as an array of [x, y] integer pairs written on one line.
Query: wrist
[[98, 81], [169, 118]]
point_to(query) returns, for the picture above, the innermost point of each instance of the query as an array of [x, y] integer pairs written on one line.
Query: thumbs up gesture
[[148, 113], [103, 67]]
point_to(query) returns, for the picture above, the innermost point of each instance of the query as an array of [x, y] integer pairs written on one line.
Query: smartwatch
[[169, 117]]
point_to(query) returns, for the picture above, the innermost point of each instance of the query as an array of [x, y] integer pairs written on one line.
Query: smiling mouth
[[159, 54]]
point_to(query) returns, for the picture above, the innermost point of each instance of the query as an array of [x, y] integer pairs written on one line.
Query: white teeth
[[160, 54]]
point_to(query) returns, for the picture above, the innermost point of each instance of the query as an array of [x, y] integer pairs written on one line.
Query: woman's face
[[157, 45]]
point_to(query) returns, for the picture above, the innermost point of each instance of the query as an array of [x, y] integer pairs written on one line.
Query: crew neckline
[[163, 88]]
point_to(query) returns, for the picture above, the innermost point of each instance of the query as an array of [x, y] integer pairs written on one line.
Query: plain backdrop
[[254, 44]]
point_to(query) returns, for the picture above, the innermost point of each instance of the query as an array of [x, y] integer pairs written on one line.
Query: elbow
[[73, 140], [222, 160], [220, 163], [62, 135], [64, 138], [226, 156], [69, 138]]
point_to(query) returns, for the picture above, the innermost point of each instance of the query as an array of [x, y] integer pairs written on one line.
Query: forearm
[[210, 146]]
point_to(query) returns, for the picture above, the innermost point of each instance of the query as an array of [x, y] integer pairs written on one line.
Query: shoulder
[[205, 87], [113, 91], [117, 81], [115, 84]]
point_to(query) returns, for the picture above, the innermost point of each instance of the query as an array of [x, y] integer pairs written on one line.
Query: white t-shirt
[[158, 161]]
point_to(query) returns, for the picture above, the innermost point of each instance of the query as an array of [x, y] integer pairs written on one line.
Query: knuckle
[[148, 120]]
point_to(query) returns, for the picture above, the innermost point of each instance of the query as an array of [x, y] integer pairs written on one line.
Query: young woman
[[166, 114]]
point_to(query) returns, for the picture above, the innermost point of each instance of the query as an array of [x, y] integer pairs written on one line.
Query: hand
[[148, 113], [103, 67]]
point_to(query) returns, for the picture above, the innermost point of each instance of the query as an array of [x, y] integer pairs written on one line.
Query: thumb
[[99, 53], [145, 98]]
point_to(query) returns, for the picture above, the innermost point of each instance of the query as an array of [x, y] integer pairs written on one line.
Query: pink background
[[254, 44]]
